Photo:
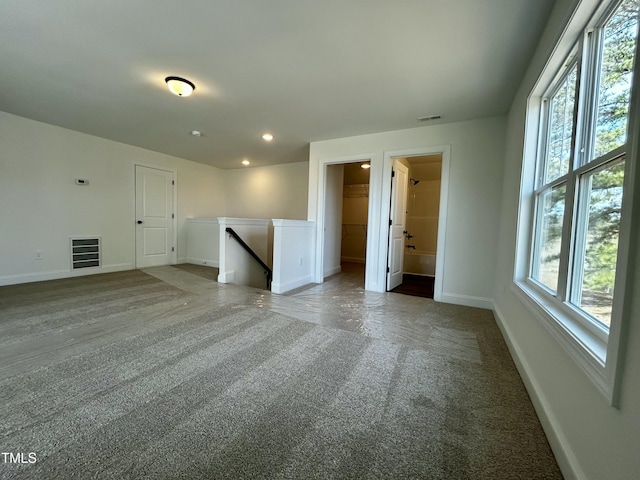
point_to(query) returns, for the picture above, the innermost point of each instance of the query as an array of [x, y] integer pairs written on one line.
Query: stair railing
[[267, 270]]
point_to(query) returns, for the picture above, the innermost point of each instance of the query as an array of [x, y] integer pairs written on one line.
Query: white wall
[[276, 191], [41, 207], [355, 213], [591, 439], [475, 183], [203, 241], [293, 250], [236, 264], [333, 220]]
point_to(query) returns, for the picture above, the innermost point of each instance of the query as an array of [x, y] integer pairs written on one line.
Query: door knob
[[139, 222]]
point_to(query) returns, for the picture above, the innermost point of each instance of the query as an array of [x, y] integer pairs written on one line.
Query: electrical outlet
[[39, 255]]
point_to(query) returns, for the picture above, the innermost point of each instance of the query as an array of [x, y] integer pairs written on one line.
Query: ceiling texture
[[303, 70]]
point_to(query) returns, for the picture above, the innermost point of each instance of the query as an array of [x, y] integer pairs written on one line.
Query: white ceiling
[[304, 70]]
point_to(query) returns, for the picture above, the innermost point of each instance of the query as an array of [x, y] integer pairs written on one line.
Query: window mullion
[[591, 52], [543, 142], [567, 235], [566, 248], [580, 189]]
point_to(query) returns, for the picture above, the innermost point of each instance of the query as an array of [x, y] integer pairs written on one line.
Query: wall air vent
[[85, 252]]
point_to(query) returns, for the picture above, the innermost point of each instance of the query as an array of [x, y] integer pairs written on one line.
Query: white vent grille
[[85, 252]]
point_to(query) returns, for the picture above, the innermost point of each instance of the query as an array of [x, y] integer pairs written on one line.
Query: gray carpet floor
[[166, 374]]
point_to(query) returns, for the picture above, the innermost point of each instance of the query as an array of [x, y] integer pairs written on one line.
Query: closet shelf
[[356, 191]]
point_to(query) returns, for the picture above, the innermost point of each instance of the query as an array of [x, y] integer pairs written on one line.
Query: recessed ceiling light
[[196, 133], [246, 162], [267, 136], [365, 165], [180, 86]]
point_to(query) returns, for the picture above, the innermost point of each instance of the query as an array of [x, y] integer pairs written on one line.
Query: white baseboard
[[563, 452], [202, 261], [287, 286], [58, 274], [226, 277], [353, 259], [332, 271], [466, 300]]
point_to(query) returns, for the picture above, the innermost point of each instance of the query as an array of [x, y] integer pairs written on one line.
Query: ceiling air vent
[[85, 252], [429, 117]]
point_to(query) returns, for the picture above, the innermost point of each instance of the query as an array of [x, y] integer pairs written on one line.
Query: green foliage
[[600, 261], [605, 205], [614, 94], [604, 199]]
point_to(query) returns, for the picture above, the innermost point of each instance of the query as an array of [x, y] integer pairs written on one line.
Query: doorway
[[378, 214], [346, 221], [155, 218], [415, 251]]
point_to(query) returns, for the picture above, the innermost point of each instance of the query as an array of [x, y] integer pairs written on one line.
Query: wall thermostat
[[82, 181]]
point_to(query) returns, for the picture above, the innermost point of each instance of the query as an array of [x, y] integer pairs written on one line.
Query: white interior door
[[395, 261], [154, 217]]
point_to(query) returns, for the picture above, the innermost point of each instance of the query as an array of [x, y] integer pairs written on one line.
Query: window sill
[[587, 349]]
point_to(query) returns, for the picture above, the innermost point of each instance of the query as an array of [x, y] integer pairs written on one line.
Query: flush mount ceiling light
[[267, 137], [180, 86], [246, 162], [365, 165], [196, 133]]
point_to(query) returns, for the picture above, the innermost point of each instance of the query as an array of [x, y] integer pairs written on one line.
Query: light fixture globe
[[180, 86]]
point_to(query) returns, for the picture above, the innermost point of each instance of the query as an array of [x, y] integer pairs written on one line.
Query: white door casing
[[154, 197], [398, 216]]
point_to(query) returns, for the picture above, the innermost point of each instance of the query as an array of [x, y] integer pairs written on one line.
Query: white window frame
[[595, 349]]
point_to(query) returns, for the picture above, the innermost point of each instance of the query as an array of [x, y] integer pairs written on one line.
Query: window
[[577, 193]]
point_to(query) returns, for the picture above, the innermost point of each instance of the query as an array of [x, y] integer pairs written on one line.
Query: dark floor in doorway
[[416, 285]]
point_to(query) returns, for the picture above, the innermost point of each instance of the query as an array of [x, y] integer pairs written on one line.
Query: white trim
[[467, 300], [174, 191], [598, 358], [58, 274], [332, 271], [445, 151], [353, 260], [226, 277], [285, 287], [201, 261], [560, 446], [579, 343], [372, 264], [280, 222], [228, 221], [627, 240]]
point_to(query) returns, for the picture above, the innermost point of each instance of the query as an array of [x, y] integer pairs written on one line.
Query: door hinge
[[173, 249], [390, 222], [173, 215], [388, 269], [393, 173], [173, 182]]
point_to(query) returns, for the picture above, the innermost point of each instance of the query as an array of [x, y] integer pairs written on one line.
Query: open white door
[[154, 217], [399, 182]]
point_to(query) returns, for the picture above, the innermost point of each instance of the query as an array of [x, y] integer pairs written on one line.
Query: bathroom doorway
[[423, 191]]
